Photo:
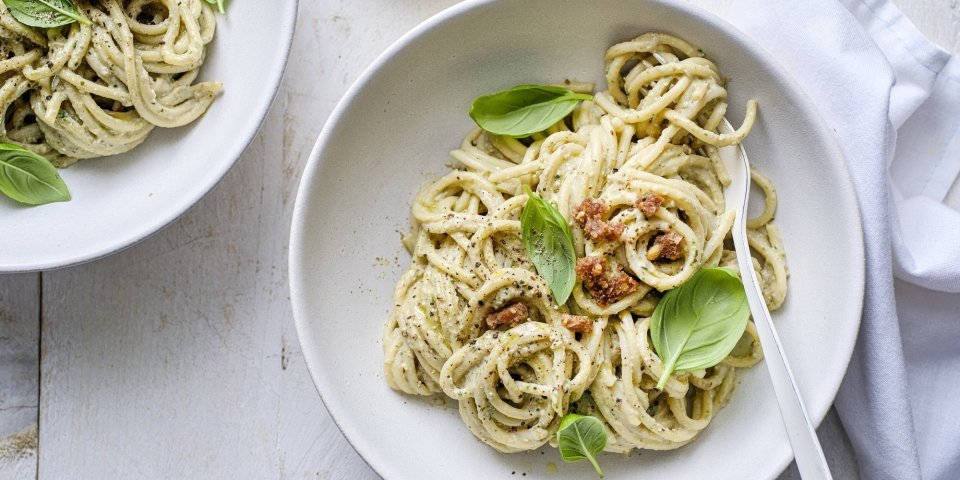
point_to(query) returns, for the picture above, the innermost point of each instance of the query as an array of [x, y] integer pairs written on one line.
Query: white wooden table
[[178, 358]]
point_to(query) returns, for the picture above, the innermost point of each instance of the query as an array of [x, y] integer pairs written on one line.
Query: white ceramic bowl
[[392, 131], [120, 200]]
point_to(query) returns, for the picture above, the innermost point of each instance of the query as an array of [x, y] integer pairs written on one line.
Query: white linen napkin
[[893, 98]]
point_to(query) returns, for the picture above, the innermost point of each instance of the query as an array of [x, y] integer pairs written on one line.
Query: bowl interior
[[121, 199], [392, 132]]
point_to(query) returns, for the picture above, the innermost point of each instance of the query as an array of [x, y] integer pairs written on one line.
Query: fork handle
[[803, 437]]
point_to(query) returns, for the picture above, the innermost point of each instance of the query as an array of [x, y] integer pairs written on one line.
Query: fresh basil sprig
[[524, 110], [29, 178], [218, 3], [549, 244], [581, 437], [697, 324], [45, 13]]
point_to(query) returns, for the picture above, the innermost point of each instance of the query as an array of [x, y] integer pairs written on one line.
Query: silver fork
[[803, 437]]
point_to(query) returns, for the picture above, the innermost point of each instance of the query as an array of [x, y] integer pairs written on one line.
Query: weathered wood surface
[[19, 374], [178, 358]]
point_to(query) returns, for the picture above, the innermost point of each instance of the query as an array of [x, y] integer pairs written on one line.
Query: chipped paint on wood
[[20, 445]]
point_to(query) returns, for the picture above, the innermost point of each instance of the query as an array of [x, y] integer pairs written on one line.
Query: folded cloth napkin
[[893, 98]]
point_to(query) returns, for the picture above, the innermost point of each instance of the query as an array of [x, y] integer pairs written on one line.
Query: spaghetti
[[84, 91], [637, 169]]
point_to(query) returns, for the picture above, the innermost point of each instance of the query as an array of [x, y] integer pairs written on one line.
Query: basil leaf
[[549, 244], [219, 4], [697, 324], [524, 110], [45, 13], [581, 437], [29, 178]]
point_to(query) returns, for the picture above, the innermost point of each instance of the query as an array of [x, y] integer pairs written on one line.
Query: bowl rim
[[311, 172], [260, 111]]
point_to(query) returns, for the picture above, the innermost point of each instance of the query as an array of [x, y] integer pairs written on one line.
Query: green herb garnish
[[549, 244], [45, 13], [524, 110], [29, 178], [697, 324], [219, 4], [581, 437]]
